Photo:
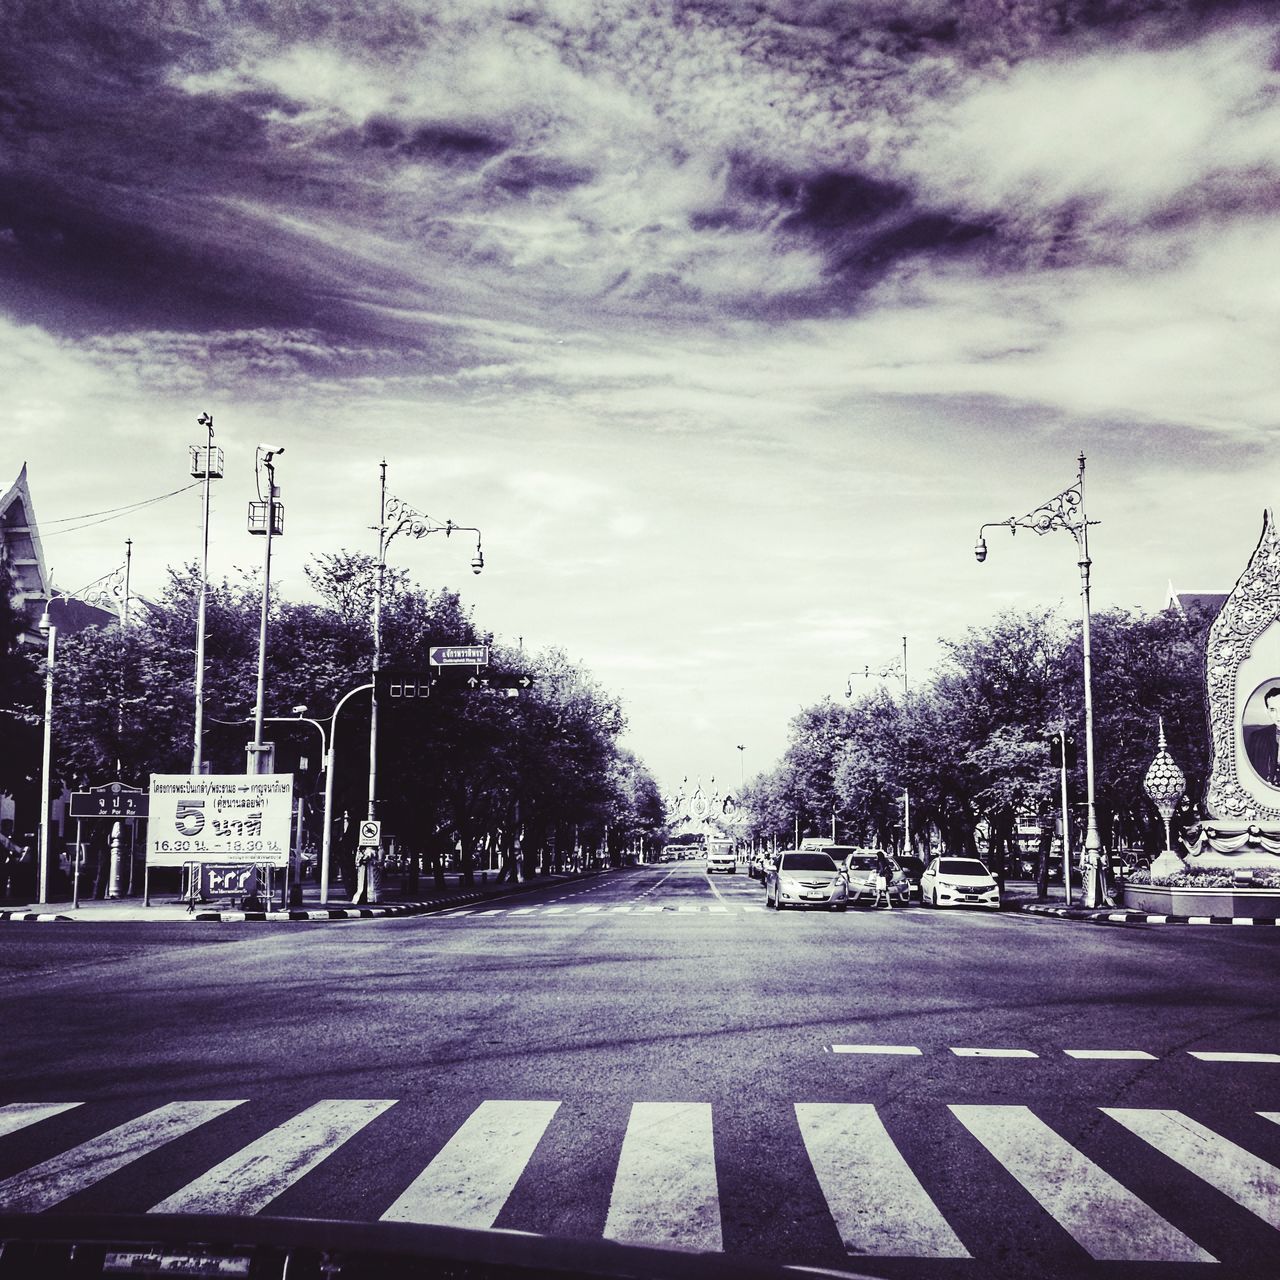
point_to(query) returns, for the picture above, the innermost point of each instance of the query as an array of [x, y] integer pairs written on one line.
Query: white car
[[955, 882]]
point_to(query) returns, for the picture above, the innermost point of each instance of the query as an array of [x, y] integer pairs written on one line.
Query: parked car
[[913, 869], [805, 878], [949, 882]]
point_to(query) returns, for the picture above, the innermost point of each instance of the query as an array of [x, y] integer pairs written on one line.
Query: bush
[[1204, 878]]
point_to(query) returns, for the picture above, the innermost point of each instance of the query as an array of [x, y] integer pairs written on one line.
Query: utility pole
[[207, 466]]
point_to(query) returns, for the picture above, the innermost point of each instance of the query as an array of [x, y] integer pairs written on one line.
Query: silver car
[[805, 878]]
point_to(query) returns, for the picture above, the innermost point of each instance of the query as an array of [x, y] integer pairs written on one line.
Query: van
[[720, 856]]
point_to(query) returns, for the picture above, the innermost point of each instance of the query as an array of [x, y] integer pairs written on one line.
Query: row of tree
[[533, 777], [971, 747]]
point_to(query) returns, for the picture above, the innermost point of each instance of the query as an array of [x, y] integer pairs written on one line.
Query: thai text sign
[[230, 818]]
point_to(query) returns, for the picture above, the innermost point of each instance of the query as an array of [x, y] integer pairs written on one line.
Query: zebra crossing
[[667, 1183], [600, 912]]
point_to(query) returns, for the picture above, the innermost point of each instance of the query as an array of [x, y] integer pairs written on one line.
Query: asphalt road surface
[[650, 1055]]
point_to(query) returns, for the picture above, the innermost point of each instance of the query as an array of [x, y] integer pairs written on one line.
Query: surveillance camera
[[269, 451]]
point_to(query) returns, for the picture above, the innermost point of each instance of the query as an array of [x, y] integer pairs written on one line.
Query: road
[[651, 1055]]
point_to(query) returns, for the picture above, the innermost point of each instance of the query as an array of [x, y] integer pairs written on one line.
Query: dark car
[[913, 869]]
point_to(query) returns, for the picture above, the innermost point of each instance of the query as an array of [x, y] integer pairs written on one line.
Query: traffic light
[[1055, 751]]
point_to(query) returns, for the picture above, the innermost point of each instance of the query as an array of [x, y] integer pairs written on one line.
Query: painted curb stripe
[[994, 1053]]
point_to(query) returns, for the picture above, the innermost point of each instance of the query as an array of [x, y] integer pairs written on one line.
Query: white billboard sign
[[220, 817]]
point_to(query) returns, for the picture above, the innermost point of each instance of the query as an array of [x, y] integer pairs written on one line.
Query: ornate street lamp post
[[1067, 511], [396, 517], [266, 518]]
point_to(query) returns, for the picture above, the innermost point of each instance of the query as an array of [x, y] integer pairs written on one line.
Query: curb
[[1107, 915], [309, 915]]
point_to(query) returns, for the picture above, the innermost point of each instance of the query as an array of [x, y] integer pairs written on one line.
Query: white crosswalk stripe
[[1245, 1178], [61, 1177], [467, 1184], [249, 1180], [17, 1115], [665, 1192], [1102, 1216], [666, 1188], [879, 1205]]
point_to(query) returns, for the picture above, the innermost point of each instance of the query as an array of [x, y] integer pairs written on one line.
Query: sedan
[[804, 878], [951, 882]]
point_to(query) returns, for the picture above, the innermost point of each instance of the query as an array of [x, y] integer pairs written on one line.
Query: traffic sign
[[114, 800], [370, 832], [500, 680], [459, 655]]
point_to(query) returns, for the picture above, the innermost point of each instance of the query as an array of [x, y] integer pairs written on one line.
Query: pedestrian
[[345, 842], [884, 874]]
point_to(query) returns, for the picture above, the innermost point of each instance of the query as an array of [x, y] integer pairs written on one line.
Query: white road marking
[[47, 1184], [665, 1191], [619, 908], [1106, 1219], [653, 908], [17, 1115], [1234, 1057], [551, 911], [582, 911], [249, 1180], [523, 911], [721, 909], [1245, 1178], [994, 1053], [1108, 1055], [876, 1048], [878, 1204], [476, 1171], [689, 907]]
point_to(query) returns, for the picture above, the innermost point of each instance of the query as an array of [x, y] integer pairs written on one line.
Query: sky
[[728, 324]]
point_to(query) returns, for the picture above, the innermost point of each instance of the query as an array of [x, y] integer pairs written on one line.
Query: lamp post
[[896, 670], [266, 517], [329, 746], [1067, 511], [395, 516], [206, 465]]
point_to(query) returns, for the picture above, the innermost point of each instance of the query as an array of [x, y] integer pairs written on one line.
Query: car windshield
[[861, 862], [962, 867], [807, 862]]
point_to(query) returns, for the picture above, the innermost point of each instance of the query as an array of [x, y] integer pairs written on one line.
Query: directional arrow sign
[[500, 680], [460, 655]]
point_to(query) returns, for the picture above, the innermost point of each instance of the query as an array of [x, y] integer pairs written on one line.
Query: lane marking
[[249, 1180], [1106, 1219], [1108, 1055], [475, 1172], [1251, 1182], [665, 1192], [551, 911], [994, 1053], [523, 911], [879, 1206], [17, 1115], [1206, 1056], [582, 911], [47, 1184], [619, 908], [712, 910], [653, 908], [876, 1048]]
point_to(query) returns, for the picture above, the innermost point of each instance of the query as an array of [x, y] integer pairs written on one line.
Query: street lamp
[[395, 516], [206, 465], [266, 517], [890, 670], [1067, 511], [329, 746]]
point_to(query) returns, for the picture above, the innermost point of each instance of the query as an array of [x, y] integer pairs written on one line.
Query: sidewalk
[[165, 908], [1021, 896]]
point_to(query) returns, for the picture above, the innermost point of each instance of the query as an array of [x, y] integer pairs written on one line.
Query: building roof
[[1200, 603], [22, 551]]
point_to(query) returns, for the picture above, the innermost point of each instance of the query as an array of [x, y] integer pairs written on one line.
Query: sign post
[[111, 800]]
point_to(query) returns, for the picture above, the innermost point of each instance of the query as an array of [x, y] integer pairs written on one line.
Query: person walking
[[884, 875]]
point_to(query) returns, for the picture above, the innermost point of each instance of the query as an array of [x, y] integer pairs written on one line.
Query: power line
[[113, 513]]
